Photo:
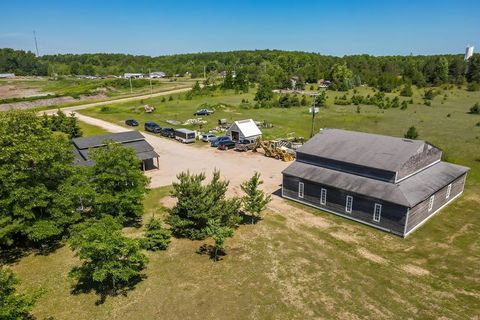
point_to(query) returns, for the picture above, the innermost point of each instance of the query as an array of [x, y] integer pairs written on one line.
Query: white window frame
[[377, 212], [430, 203], [301, 189], [449, 190], [348, 208], [323, 196]]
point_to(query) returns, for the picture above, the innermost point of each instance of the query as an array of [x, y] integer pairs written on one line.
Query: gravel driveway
[[176, 157]]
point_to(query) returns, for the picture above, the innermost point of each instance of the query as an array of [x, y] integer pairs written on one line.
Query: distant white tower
[[468, 52]]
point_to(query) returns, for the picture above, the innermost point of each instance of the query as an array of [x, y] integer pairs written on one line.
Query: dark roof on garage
[[129, 139], [408, 192], [365, 149]]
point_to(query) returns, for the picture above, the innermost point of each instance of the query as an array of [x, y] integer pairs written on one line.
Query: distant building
[[223, 74], [133, 75], [128, 139], [7, 75], [469, 52], [159, 74], [389, 183]]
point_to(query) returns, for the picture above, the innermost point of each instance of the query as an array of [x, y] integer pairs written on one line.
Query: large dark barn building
[[128, 139], [389, 183]]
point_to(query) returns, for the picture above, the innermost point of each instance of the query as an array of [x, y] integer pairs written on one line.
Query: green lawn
[[90, 130], [298, 262]]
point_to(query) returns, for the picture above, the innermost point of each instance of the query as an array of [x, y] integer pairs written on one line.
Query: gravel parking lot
[[176, 157]]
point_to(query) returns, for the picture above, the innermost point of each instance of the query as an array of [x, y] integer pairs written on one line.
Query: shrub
[[411, 133], [475, 109], [474, 86], [156, 237]]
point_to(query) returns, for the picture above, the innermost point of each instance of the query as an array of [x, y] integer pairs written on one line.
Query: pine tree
[[156, 237], [219, 234], [255, 200], [198, 203]]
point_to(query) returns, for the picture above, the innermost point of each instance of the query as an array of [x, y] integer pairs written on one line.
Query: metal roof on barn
[[365, 149], [129, 139]]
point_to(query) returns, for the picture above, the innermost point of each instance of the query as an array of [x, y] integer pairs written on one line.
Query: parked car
[[208, 137], [218, 140], [168, 132], [245, 144], [131, 122], [203, 112], [226, 144], [152, 127]]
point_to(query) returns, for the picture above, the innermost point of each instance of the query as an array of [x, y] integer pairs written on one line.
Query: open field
[[45, 93], [458, 134], [298, 262]]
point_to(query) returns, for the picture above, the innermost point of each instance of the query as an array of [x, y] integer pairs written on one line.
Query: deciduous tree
[[110, 261]]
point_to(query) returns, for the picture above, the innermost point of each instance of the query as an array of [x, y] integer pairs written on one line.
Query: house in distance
[[243, 129], [128, 139], [392, 184]]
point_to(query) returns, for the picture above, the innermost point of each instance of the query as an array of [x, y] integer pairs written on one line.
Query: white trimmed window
[[377, 212], [449, 190], [300, 189], [323, 196], [349, 204], [430, 203]]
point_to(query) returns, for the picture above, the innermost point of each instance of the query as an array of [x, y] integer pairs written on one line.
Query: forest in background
[[384, 72]]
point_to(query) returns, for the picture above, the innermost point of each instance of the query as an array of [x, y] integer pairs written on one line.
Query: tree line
[[384, 72]]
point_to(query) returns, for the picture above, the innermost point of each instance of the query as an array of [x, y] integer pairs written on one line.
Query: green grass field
[[299, 262], [90, 130]]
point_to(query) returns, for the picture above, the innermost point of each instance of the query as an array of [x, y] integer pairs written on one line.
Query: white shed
[[243, 129]]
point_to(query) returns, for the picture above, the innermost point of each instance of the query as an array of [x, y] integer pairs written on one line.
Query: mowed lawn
[[299, 262]]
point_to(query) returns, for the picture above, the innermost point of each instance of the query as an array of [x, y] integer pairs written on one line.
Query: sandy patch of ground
[[47, 102], [370, 256], [347, 237], [168, 202], [415, 270], [11, 91]]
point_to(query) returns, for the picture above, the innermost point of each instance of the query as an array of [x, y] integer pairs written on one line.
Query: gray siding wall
[[379, 174], [420, 212], [419, 161], [393, 216]]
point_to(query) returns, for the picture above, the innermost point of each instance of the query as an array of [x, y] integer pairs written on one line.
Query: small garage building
[[393, 184], [129, 139], [243, 129]]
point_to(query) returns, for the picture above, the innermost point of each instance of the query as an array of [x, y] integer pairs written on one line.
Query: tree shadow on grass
[[207, 249], [12, 254], [87, 285], [249, 218]]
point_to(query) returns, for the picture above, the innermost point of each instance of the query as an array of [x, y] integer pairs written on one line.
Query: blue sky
[[168, 27]]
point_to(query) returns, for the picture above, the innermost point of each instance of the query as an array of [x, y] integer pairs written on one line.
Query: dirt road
[[176, 157], [95, 104]]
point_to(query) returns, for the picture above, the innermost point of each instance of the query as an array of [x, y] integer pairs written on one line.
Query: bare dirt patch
[[343, 236], [415, 270], [370, 256], [11, 91], [47, 102], [168, 202]]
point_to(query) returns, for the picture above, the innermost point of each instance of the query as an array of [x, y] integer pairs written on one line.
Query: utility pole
[[313, 112], [205, 72], [131, 88], [36, 45], [150, 77]]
